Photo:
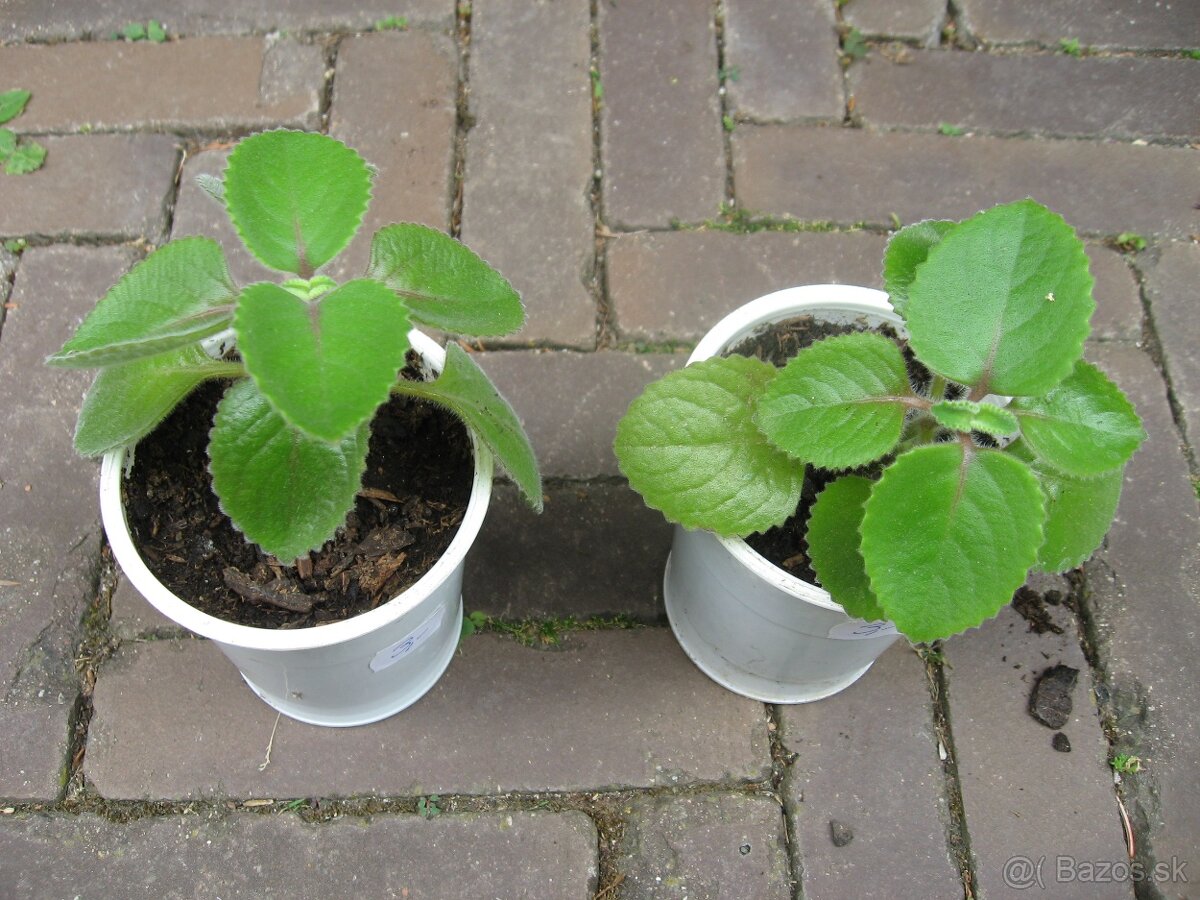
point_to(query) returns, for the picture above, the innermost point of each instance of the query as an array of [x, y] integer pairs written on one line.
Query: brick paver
[[1120, 97], [660, 128], [65, 200], [526, 204], [496, 854], [1145, 594], [867, 758], [705, 846], [203, 84], [781, 60], [47, 21], [1020, 795], [607, 709], [917, 20], [1171, 287], [413, 76], [1095, 23], [848, 175]]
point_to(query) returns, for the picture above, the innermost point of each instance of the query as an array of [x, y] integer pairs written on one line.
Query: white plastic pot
[[749, 625], [344, 673]]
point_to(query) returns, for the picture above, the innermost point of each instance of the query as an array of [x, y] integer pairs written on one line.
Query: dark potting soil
[[415, 492], [784, 545]]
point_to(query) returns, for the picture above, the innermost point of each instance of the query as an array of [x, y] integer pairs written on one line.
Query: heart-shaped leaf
[[175, 296], [967, 415], [326, 364], [1082, 428], [283, 490], [1003, 300], [444, 284], [464, 388], [296, 198], [12, 104], [838, 403], [688, 445], [8, 143], [28, 157], [833, 546], [127, 401], [949, 535], [907, 249]]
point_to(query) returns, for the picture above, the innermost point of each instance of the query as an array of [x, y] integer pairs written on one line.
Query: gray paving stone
[[1171, 287], [207, 83], [1145, 597], [1120, 97], [916, 20], [1095, 23], [607, 709], [133, 617], [527, 196], [500, 854], [110, 186], [661, 143], [393, 102], [718, 845], [597, 550], [1022, 797], [49, 20], [868, 758], [848, 175], [49, 521], [674, 286], [786, 57], [571, 402], [1118, 314]]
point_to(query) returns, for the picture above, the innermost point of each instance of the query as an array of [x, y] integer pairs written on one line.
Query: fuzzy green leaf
[[967, 415], [296, 198], [175, 296], [127, 401], [1084, 427], [283, 490], [1003, 301], [326, 364], [12, 104], [689, 446], [907, 249], [445, 284], [8, 143], [838, 403], [28, 157], [833, 546], [464, 388], [949, 536], [1079, 512]]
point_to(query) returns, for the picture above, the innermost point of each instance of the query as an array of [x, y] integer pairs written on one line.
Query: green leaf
[[1084, 427], [464, 388], [967, 415], [134, 31], [283, 490], [175, 296], [444, 284], [12, 104], [28, 157], [907, 249], [689, 446], [948, 536], [838, 403], [127, 401], [155, 31], [296, 198], [1079, 512], [326, 364], [1003, 300], [8, 143], [213, 186], [833, 541]]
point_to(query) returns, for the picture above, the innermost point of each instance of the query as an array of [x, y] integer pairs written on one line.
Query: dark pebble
[[1061, 743], [840, 832], [1051, 703]]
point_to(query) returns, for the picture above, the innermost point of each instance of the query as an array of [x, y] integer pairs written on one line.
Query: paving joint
[[605, 316], [464, 121]]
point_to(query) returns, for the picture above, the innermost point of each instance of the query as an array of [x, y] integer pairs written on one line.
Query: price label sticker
[[393, 653], [858, 630]]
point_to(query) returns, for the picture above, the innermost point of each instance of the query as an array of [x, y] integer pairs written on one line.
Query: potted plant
[[929, 470], [300, 373]]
